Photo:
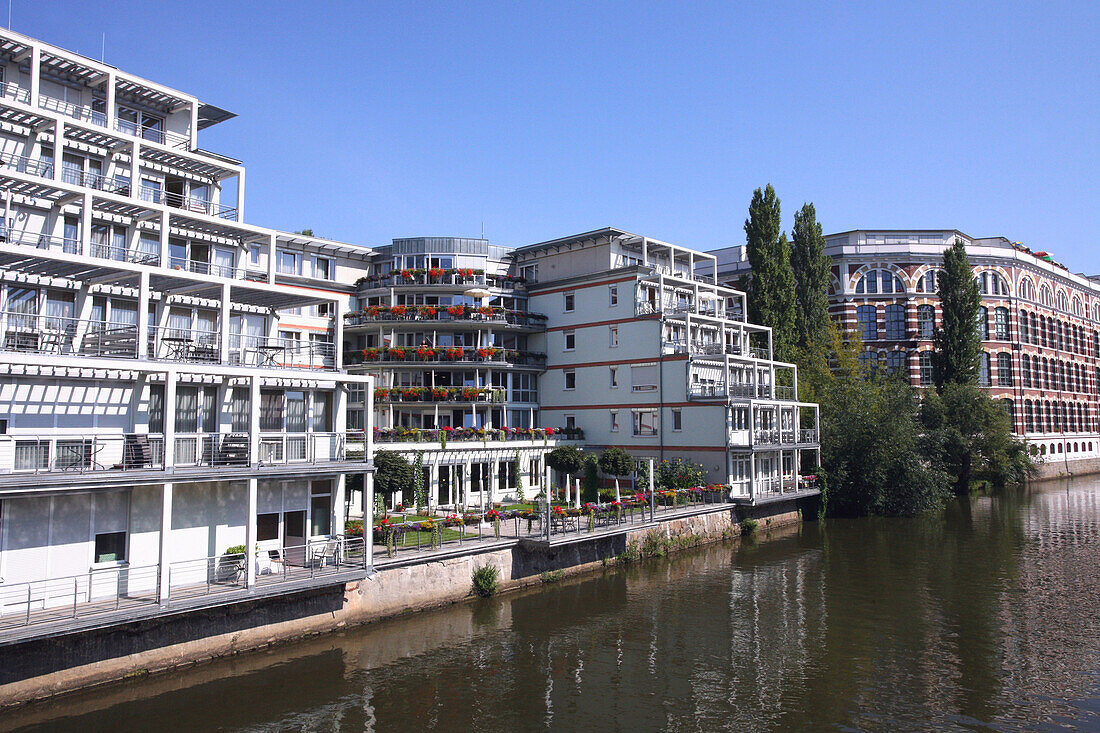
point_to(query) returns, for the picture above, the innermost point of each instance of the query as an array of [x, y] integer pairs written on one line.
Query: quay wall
[[41, 668], [1052, 468]]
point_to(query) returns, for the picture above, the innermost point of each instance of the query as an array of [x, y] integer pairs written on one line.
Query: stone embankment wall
[[1052, 467], [42, 668]]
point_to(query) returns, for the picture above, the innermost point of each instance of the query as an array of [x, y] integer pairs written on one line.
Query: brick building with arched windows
[[1039, 323]]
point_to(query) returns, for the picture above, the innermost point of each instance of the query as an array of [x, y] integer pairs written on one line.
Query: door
[[294, 537]]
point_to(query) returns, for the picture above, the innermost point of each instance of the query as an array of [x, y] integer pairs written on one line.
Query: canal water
[[986, 618]]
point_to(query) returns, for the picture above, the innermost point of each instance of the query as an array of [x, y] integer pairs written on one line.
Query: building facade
[[153, 413], [1039, 323]]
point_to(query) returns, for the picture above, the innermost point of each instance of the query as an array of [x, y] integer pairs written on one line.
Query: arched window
[[1027, 289], [1078, 308], [868, 360], [1025, 334], [929, 282], [991, 283], [1010, 410], [1062, 301], [895, 321], [1029, 417], [1046, 296], [867, 317], [1025, 369], [896, 364], [1000, 324], [879, 281], [1004, 369], [1034, 329], [925, 360], [983, 370], [926, 321], [983, 323]]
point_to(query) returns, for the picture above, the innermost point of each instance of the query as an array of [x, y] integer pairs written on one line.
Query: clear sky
[[367, 120]]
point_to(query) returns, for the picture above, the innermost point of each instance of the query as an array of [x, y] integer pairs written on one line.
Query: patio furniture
[[176, 347], [137, 452], [267, 353], [326, 554]]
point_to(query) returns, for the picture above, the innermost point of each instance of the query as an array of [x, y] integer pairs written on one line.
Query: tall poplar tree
[[771, 292], [811, 273], [958, 346]]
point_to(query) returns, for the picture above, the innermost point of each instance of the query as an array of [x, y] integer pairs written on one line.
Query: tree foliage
[[616, 462], [392, 472], [969, 435], [567, 459], [679, 474], [957, 343], [771, 289], [811, 273]]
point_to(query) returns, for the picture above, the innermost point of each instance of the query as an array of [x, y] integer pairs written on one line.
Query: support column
[[164, 578], [339, 508], [240, 195], [165, 228], [36, 75], [135, 169], [170, 419], [272, 249], [652, 493], [85, 219], [112, 111], [143, 316], [83, 307], [223, 325], [368, 519], [194, 130], [254, 420], [58, 149], [548, 495], [338, 334], [250, 534]]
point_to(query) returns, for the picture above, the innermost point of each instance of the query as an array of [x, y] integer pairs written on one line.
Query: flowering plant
[[456, 310], [436, 273], [407, 274], [425, 352], [486, 310], [439, 393], [469, 393], [373, 310], [492, 514], [465, 272], [397, 353], [486, 353], [455, 353], [426, 311], [412, 393], [399, 310]]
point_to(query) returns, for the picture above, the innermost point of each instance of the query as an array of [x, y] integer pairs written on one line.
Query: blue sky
[[369, 120]]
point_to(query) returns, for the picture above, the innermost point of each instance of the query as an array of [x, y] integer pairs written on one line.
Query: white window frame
[[566, 373], [612, 337], [569, 302], [612, 296], [568, 336]]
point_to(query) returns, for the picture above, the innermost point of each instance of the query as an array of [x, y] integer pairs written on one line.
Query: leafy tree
[[771, 291], [969, 435], [680, 474], [393, 472], [567, 459], [616, 462], [811, 273], [957, 344], [305, 232], [590, 484]]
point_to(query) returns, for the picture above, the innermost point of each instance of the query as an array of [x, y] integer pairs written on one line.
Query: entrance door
[[294, 538]]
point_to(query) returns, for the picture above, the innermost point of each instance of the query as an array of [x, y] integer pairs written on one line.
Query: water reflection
[[983, 618]]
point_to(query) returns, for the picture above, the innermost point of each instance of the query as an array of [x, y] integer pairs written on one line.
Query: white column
[[85, 218], [165, 579], [368, 518], [170, 419], [143, 316], [36, 75], [194, 126], [83, 307], [576, 494], [58, 149], [253, 420], [240, 195], [111, 111], [272, 248], [164, 231], [223, 326], [135, 170], [250, 533], [339, 498], [338, 334]]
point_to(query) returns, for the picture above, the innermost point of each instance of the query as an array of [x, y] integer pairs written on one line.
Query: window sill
[[109, 565]]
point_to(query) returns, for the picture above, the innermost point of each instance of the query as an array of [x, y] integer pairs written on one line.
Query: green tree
[[565, 458], [616, 462], [392, 473], [680, 474], [771, 290], [590, 484], [969, 435], [811, 273], [957, 344]]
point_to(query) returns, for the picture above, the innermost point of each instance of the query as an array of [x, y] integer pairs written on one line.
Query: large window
[[643, 378], [1000, 324], [929, 281], [983, 323], [926, 368], [983, 370], [867, 318], [991, 283], [1004, 369], [926, 321], [895, 321], [879, 281], [896, 363]]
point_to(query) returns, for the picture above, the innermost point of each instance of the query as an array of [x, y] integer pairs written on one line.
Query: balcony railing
[[784, 393], [735, 389], [77, 454], [98, 181], [438, 394], [445, 355], [11, 90], [23, 164], [39, 241], [66, 336], [766, 437], [171, 139], [187, 203], [449, 277], [82, 454], [454, 314], [758, 353], [703, 348], [471, 435], [807, 435], [76, 111]]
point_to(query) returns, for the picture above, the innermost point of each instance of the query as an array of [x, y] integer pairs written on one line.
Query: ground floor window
[[110, 547]]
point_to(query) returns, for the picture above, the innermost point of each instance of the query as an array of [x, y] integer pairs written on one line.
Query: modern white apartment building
[[1040, 324], [645, 355], [153, 413]]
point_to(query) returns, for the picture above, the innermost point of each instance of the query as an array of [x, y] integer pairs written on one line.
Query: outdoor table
[[175, 347], [267, 354]]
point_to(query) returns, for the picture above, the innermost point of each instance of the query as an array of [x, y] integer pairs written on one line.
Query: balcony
[[466, 315], [458, 277], [75, 111], [170, 139], [11, 90], [98, 181], [75, 455], [807, 435], [445, 355], [23, 164], [438, 394], [719, 390], [473, 435], [65, 336], [187, 203]]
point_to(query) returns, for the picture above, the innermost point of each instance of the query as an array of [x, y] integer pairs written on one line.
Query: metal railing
[[11, 90], [784, 392], [469, 315], [445, 355], [765, 437], [277, 353], [807, 435], [759, 353], [439, 394], [187, 203], [80, 454], [164, 137], [212, 449], [98, 181], [470, 435], [39, 241], [23, 164], [314, 447], [70, 109], [421, 278], [123, 587]]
